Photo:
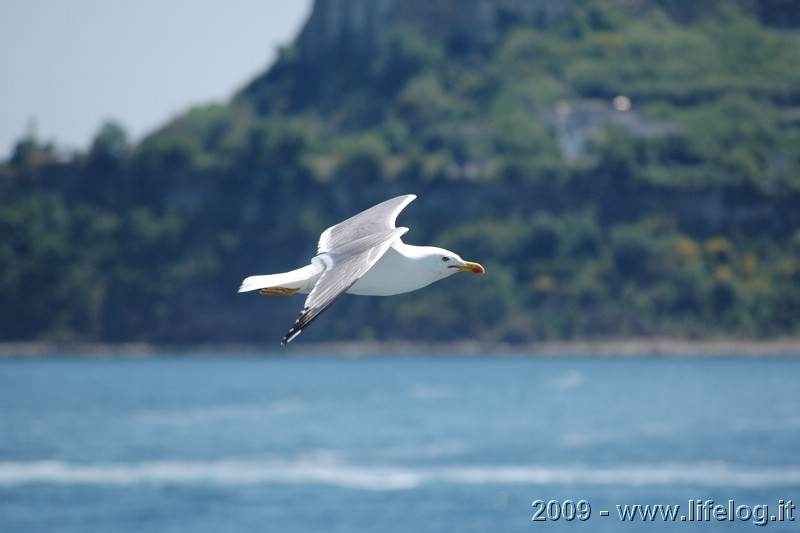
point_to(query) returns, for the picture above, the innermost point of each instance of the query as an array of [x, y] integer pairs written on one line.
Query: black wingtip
[[296, 328], [286, 339], [290, 336]]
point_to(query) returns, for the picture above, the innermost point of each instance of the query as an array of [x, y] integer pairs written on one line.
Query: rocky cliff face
[[359, 25]]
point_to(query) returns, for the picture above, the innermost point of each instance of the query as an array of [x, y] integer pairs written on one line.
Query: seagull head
[[445, 262]]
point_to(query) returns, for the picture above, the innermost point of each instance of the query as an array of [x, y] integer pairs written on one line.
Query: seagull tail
[[296, 280]]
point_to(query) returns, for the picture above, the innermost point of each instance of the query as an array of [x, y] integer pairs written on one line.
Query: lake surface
[[398, 444]]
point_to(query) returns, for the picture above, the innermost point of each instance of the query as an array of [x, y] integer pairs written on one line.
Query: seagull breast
[[399, 270]]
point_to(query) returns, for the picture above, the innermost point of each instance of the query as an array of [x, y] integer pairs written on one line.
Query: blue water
[[405, 444]]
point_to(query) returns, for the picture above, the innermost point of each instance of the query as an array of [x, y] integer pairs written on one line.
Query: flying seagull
[[362, 255]]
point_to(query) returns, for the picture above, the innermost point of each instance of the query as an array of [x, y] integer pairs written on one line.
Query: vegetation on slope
[[694, 232]]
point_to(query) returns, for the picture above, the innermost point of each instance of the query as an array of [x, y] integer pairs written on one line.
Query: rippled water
[[394, 444]]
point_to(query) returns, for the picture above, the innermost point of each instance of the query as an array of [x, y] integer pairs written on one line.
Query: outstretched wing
[[344, 263], [375, 220]]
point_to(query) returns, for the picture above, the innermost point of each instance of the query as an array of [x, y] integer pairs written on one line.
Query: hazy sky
[[67, 66]]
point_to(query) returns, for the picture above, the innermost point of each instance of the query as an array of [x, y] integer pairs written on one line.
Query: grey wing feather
[[345, 265], [376, 219]]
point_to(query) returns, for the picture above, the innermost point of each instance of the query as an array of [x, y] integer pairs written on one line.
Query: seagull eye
[[445, 259]]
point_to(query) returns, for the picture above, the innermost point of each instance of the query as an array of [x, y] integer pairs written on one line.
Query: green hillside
[[676, 216]]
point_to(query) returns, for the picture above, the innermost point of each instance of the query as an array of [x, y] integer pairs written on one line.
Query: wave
[[328, 471], [219, 413]]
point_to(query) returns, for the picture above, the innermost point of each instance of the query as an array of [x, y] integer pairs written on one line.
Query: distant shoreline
[[578, 348]]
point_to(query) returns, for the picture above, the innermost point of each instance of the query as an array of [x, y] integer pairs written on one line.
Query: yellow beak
[[469, 266]]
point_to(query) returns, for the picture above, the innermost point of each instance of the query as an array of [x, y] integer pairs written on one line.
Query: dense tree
[[679, 217]]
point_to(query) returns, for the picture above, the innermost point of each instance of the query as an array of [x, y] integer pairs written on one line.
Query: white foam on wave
[[219, 413], [424, 392], [332, 472], [568, 381], [222, 472]]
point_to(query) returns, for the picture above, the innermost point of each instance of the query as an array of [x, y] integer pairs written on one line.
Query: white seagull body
[[362, 255]]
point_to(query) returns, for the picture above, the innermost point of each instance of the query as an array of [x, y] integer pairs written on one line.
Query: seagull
[[362, 255]]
